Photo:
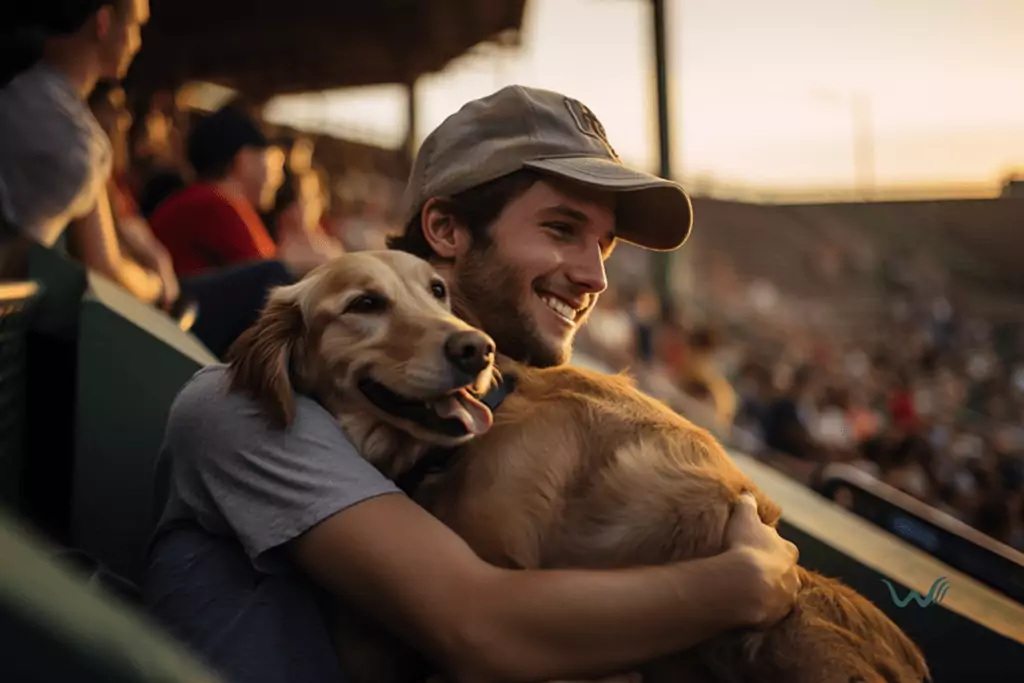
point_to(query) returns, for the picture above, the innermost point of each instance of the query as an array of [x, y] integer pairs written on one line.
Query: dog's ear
[[260, 359]]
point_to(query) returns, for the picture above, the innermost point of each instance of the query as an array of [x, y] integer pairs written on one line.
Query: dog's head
[[371, 332]]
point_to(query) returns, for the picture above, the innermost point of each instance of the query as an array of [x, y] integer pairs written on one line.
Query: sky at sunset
[[761, 89]]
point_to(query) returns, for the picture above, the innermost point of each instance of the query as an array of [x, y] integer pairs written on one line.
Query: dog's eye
[[367, 303], [439, 290]]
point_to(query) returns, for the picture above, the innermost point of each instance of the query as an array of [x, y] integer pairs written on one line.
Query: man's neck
[[81, 70]]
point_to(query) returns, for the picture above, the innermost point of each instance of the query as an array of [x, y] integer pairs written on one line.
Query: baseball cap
[[529, 128], [217, 138]]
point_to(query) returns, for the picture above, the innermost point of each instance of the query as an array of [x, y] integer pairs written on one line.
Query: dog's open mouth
[[456, 414]]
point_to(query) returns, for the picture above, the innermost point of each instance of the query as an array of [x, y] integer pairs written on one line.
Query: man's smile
[[570, 312]]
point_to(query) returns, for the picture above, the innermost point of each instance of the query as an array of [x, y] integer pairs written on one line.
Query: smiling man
[[517, 199]]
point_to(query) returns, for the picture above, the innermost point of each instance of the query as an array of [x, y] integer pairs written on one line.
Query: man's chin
[[551, 352]]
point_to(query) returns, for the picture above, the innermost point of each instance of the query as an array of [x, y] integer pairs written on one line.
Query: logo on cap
[[589, 124]]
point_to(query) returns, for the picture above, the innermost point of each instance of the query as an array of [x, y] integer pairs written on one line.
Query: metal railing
[[937, 533]]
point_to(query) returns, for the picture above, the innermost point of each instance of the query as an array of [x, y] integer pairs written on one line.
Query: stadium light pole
[[862, 120], [661, 263]]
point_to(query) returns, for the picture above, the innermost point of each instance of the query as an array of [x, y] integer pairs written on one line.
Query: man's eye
[[367, 304], [563, 229]]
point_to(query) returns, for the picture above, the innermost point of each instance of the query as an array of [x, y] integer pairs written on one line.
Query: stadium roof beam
[[264, 48]]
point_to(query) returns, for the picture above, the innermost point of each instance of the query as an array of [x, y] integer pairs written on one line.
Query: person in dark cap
[[216, 222], [55, 158], [517, 199]]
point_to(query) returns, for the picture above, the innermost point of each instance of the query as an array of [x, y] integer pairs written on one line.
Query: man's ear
[[446, 236]]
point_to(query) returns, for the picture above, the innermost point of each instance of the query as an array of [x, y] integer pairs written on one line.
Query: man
[[54, 157], [216, 222], [517, 198]]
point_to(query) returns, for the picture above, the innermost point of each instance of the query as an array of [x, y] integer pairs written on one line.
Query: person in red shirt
[[215, 222]]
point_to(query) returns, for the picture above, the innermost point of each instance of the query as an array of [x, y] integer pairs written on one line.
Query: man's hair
[[476, 208], [64, 17], [26, 33], [216, 171]]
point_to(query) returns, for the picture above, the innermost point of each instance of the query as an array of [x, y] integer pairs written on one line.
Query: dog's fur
[[578, 470]]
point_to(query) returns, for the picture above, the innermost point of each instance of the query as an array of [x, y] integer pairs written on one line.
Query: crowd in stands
[[185, 209], [929, 398]]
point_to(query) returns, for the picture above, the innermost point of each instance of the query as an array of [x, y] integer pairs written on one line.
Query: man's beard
[[487, 293]]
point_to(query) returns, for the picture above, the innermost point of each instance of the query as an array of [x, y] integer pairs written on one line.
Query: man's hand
[[171, 290], [774, 575], [141, 245]]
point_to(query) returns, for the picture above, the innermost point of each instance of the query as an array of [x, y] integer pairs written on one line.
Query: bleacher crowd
[[927, 395], [189, 210]]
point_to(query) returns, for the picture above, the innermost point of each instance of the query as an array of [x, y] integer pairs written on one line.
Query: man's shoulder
[[39, 105], [207, 407]]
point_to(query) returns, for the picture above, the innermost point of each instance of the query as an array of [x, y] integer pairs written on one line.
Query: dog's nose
[[470, 351]]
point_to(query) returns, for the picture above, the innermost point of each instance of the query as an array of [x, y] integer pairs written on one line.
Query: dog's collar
[[438, 458]]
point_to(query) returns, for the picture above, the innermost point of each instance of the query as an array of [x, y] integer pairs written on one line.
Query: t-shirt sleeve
[[237, 474], [57, 175]]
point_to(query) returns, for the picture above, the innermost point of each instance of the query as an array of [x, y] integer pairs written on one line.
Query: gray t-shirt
[[54, 156], [234, 475]]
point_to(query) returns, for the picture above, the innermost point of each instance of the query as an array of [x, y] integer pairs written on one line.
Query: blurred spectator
[[611, 327], [296, 221], [702, 370], [364, 213], [137, 241], [228, 299], [159, 167], [300, 155], [214, 223], [55, 159], [786, 427]]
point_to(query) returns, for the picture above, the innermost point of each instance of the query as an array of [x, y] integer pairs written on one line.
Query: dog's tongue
[[465, 407]]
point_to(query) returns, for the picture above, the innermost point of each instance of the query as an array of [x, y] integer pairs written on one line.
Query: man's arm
[[305, 492], [150, 253], [398, 563], [95, 236]]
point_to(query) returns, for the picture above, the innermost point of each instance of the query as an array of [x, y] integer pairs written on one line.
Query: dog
[[576, 468]]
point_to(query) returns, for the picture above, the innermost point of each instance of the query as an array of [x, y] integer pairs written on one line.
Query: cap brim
[[653, 213]]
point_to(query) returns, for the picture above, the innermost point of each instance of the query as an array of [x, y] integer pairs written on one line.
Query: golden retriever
[[576, 469]]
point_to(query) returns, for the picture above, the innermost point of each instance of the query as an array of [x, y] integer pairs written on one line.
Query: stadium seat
[[102, 372], [132, 361]]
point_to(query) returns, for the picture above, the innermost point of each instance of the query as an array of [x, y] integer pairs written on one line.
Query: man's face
[[536, 282], [121, 42]]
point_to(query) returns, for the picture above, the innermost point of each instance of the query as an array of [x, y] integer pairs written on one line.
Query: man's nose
[[587, 270]]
